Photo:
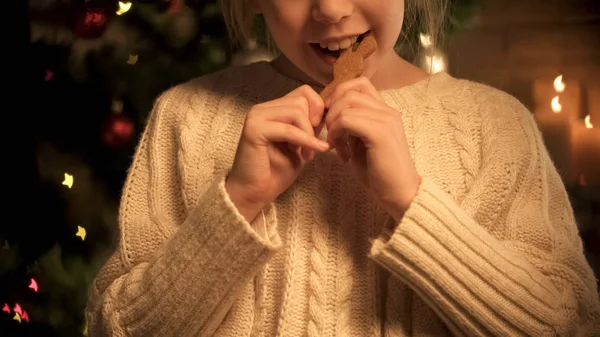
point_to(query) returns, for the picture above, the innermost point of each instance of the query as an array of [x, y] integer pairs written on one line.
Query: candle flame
[[559, 85], [556, 107], [588, 123]]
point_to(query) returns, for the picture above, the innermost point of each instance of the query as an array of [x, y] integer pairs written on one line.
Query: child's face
[[295, 25]]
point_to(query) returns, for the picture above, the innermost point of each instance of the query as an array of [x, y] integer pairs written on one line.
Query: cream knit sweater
[[489, 246]]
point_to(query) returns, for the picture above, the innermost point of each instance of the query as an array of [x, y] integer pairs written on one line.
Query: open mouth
[[336, 53]]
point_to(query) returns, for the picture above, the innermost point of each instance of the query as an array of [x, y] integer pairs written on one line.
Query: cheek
[[285, 21], [389, 21]]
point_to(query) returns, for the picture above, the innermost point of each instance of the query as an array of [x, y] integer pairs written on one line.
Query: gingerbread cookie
[[350, 64]]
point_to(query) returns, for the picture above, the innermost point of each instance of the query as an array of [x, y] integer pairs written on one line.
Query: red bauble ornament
[[90, 20], [118, 130]]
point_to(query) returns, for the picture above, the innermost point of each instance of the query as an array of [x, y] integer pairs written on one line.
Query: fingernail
[[322, 144]]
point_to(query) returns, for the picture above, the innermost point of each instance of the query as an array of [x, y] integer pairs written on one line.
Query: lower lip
[[327, 58]]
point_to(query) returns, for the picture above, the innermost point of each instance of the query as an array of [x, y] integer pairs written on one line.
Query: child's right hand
[[277, 141]]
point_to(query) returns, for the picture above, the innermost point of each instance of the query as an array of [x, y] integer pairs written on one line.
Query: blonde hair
[[421, 16]]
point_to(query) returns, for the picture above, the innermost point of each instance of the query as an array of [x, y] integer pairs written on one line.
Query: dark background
[[75, 105]]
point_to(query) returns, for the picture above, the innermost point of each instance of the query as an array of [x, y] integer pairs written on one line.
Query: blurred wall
[[517, 41]]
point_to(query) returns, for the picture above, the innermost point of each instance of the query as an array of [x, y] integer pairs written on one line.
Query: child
[[433, 208]]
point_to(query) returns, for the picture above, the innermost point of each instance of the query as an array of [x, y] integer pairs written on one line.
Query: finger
[[355, 122], [352, 99], [308, 154], [317, 132], [314, 101], [361, 84], [297, 101], [283, 132], [291, 115]]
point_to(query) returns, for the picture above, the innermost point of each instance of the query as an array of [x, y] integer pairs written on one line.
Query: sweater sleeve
[[175, 272], [507, 260]]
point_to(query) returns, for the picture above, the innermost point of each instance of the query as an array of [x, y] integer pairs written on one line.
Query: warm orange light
[[556, 107], [559, 85], [588, 123]]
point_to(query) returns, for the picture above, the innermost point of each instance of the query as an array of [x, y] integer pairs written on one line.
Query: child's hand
[[277, 141], [370, 134]]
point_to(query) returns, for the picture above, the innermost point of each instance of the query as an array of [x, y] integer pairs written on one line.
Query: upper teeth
[[343, 44]]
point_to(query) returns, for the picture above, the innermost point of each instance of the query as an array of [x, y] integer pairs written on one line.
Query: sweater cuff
[[262, 230], [429, 249], [264, 225], [203, 268], [229, 252], [414, 249], [460, 270]]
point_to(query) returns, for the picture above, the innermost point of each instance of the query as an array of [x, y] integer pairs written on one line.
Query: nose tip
[[332, 11], [327, 18]]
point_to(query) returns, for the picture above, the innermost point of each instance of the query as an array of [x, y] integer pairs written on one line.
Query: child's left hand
[[370, 134]]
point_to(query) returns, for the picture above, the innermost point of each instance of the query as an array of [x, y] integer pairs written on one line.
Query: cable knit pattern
[[292, 262], [462, 124], [318, 278], [346, 240], [333, 224], [193, 149], [488, 247], [318, 254]]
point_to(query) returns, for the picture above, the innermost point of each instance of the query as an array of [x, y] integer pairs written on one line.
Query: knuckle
[[251, 116], [251, 124], [298, 100], [255, 111], [305, 88], [348, 95], [252, 111], [364, 81], [301, 102], [344, 120], [288, 129], [249, 131], [298, 112], [309, 90]]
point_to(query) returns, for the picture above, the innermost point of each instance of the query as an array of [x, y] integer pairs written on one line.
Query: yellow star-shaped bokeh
[[133, 58], [123, 7], [81, 232], [68, 180]]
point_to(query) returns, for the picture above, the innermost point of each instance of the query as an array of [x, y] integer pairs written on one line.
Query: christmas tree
[[86, 74]]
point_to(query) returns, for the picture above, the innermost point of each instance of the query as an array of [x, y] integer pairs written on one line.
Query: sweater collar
[[403, 98]]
